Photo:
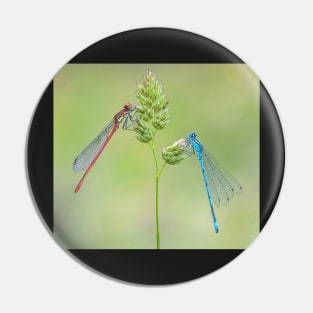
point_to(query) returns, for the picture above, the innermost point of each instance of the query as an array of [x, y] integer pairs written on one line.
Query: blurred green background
[[115, 206]]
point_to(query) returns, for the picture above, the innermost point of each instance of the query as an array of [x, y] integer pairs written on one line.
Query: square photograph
[[156, 156]]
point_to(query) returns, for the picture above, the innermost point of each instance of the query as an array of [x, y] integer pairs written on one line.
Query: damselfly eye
[[127, 106]]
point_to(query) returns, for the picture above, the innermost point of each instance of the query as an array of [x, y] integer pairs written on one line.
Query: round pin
[[155, 156]]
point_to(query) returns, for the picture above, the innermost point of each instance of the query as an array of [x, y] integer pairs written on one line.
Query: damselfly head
[[192, 135], [127, 106]]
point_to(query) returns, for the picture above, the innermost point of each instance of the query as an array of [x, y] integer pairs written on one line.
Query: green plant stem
[[157, 211], [162, 168], [157, 177]]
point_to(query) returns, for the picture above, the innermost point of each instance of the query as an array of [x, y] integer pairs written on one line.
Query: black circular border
[[154, 45]]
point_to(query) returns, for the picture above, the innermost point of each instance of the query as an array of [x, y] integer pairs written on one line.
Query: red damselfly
[[88, 157]]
